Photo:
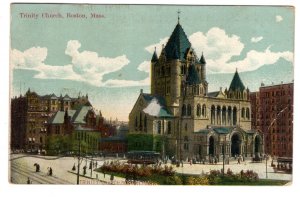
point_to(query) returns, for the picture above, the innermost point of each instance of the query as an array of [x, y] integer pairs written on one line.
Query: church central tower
[[169, 71]]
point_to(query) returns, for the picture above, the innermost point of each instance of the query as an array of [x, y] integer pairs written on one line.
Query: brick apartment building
[[30, 114], [272, 113]]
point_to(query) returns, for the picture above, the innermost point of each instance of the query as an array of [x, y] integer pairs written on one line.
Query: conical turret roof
[[177, 44], [236, 83], [202, 60], [154, 57]]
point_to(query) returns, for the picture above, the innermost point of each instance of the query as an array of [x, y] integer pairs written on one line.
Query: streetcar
[[284, 165], [143, 157]]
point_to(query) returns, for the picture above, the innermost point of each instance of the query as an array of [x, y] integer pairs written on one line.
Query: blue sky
[[108, 58]]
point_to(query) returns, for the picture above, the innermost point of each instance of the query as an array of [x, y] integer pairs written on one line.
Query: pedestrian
[[84, 170], [28, 181], [74, 167], [96, 164], [104, 174], [181, 163], [91, 165], [111, 178], [50, 171]]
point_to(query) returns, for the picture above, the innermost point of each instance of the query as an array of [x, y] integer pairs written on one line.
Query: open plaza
[[22, 169]]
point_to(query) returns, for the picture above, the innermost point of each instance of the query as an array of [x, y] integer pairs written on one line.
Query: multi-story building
[[30, 114], [272, 111], [181, 118], [255, 107]]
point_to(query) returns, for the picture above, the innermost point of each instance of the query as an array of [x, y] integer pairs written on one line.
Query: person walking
[[28, 181], [49, 171]]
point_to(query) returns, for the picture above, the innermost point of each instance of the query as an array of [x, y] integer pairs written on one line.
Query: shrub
[[173, 180]]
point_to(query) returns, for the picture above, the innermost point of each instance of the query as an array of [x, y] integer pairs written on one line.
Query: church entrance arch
[[211, 150], [257, 144], [235, 145]]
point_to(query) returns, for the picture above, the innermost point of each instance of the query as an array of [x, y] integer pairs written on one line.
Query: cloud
[[256, 39], [255, 59], [219, 48], [86, 66], [279, 18], [158, 46], [126, 83], [144, 66]]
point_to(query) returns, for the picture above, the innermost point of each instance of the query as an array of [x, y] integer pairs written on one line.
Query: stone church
[[181, 118]]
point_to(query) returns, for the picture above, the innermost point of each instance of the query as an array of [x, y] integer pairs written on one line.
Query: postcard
[[151, 94]]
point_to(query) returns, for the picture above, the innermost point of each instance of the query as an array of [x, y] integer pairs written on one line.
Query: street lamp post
[[78, 165], [266, 166], [224, 155]]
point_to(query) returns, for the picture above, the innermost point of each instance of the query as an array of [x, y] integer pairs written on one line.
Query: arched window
[[203, 110], [218, 115], [223, 115], [234, 114], [145, 123], [169, 127], [229, 115], [141, 120], [198, 110], [247, 113], [212, 114], [243, 112], [189, 110], [181, 69], [136, 122], [183, 112]]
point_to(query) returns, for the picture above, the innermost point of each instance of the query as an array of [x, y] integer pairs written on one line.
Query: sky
[[108, 57]]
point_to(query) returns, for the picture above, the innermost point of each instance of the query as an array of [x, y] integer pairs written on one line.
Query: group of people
[[38, 169], [239, 158]]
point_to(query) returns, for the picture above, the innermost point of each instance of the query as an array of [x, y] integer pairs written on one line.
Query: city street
[[22, 168]]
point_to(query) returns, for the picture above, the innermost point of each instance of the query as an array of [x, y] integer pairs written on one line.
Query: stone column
[[221, 114], [216, 118]]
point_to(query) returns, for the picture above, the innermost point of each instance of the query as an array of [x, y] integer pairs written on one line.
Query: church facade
[[181, 118]]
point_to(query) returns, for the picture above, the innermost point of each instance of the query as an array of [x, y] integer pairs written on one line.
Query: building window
[[136, 122], [169, 127], [212, 114], [57, 129], [198, 110], [183, 110], [248, 113], [141, 120], [145, 123], [243, 112], [158, 127], [189, 110], [168, 70], [168, 90], [181, 70], [203, 110]]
